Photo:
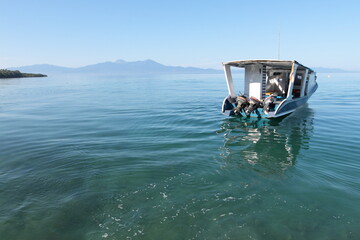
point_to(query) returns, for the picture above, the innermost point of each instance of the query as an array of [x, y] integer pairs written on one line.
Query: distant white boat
[[272, 88]]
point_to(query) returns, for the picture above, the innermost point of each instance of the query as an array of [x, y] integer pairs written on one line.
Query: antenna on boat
[[279, 46]]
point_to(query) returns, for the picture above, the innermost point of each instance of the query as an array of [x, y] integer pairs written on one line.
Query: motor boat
[[272, 88]]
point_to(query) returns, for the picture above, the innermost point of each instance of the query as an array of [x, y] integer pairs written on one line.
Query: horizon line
[[184, 66]]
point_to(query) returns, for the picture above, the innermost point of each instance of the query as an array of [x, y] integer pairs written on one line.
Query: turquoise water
[[151, 157]]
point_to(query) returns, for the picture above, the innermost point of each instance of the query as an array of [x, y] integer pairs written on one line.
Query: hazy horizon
[[139, 64]]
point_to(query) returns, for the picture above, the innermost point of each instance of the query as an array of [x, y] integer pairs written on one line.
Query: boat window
[[297, 85], [298, 79], [306, 84]]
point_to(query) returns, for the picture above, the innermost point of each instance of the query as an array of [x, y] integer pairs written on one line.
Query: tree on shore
[[5, 73]]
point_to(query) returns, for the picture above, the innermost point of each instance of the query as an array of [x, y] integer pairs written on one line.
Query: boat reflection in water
[[268, 146]]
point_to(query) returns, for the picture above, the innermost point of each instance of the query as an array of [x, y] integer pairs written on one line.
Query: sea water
[[152, 157]]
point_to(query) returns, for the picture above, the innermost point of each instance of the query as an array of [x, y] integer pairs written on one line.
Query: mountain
[[331, 70], [42, 68], [118, 67], [136, 67]]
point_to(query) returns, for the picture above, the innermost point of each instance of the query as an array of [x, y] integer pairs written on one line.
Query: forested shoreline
[[4, 73]]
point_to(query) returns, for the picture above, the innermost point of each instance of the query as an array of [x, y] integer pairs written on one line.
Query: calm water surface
[[151, 157]]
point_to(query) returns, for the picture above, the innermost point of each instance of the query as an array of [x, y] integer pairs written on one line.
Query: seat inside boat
[[277, 84]]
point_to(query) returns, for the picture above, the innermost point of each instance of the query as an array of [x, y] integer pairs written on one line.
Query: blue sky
[[180, 33]]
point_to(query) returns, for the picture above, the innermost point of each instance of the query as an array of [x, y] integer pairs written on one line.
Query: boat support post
[[303, 83], [229, 81], [292, 80]]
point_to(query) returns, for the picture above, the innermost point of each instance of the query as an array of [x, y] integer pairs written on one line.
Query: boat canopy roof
[[280, 64]]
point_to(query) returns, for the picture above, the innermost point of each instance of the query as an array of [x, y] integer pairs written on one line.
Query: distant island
[[4, 73], [118, 67]]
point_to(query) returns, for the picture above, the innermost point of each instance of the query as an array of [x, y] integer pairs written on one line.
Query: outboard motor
[[269, 104], [241, 104], [254, 105]]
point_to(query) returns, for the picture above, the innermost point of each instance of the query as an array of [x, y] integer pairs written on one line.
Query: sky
[[197, 33]]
